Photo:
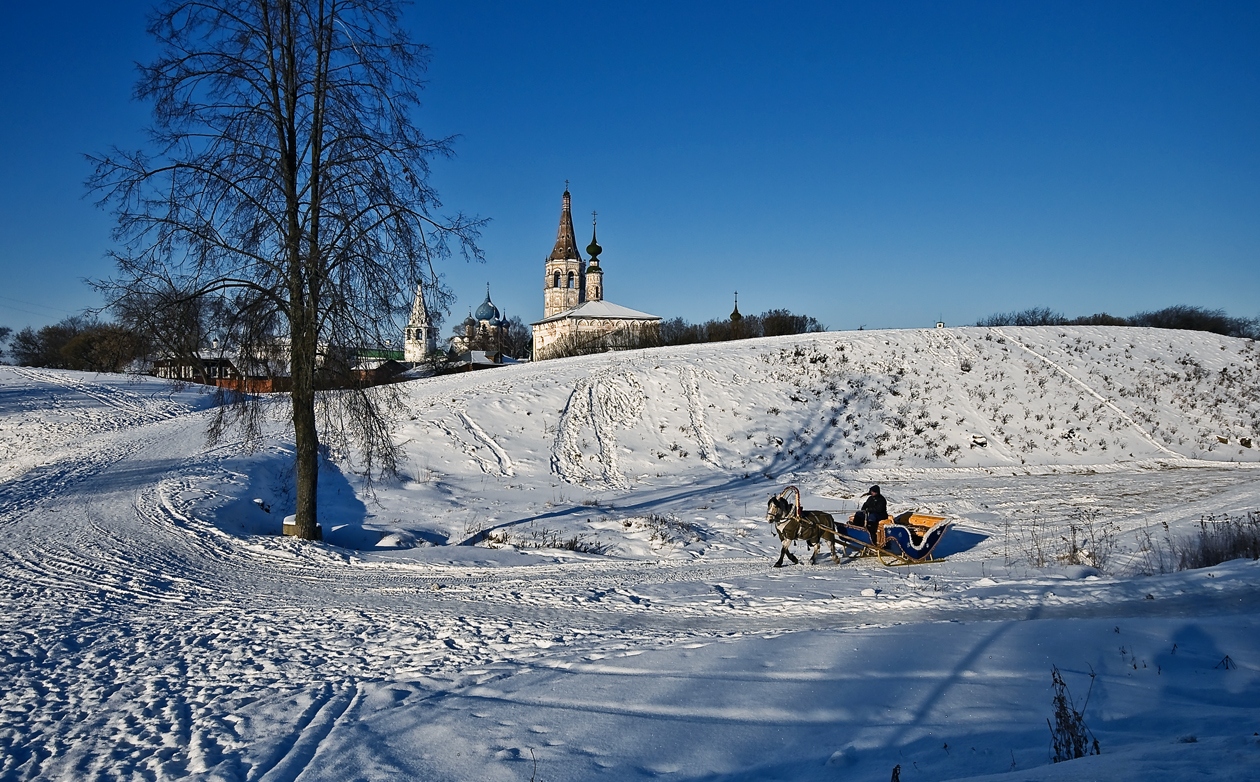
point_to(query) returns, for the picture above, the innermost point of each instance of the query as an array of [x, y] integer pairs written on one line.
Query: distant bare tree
[[175, 325], [1179, 316], [1034, 316], [518, 339], [1198, 319], [771, 323], [42, 348], [5, 331], [286, 172], [778, 323], [78, 342]]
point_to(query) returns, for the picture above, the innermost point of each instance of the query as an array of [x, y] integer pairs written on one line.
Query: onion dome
[[593, 249], [487, 310], [735, 316], [469, 322]]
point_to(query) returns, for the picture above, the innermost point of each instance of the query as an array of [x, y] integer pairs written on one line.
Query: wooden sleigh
[[906, 539]]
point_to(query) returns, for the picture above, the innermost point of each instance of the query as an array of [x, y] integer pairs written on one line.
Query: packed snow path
[[141, 637]]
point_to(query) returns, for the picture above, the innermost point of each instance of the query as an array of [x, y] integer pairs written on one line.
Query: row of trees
[[168, 325], [678, 331], [772, 323], [1177, 317], [78, 342]]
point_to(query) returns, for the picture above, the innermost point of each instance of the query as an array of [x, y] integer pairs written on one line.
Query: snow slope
[[572, 578]]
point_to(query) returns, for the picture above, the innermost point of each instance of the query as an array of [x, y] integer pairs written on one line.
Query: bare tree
[[518, 339], [286, 172], [175, 325]]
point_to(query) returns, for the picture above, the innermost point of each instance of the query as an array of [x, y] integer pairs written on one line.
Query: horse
[[811, 526]]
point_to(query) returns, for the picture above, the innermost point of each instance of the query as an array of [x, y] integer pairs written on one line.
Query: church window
[[555, 280], [570, 279]]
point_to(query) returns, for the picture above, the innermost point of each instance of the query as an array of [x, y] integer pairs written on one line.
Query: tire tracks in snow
[[317, 724]]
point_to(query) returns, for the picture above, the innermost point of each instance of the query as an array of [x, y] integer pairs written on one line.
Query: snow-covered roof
[[600, 310]]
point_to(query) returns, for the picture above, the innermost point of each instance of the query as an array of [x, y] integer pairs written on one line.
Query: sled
[[906, 539], [909, 538]]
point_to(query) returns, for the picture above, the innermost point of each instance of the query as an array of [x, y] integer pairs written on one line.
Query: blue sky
[[877, 165]]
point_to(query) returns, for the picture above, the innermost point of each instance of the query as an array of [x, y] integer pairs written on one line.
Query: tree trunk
[[305, 436]]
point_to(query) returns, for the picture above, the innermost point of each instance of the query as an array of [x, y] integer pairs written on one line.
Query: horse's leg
[[783, 551], [786, 544], [831, 541]]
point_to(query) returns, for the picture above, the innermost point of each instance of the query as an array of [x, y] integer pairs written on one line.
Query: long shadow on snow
[[957, 541], [692, 491], [341, 513]]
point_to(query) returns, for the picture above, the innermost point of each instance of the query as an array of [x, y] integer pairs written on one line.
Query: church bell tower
[[420, 338], [565, 281]]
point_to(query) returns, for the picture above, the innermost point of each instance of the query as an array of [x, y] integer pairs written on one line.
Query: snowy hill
[[574, 570], [833, 412]]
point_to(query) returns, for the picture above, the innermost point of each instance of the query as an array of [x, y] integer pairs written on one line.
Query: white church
[[576, 316]]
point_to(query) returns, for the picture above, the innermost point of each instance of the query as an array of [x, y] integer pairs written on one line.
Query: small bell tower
[[594, 273]]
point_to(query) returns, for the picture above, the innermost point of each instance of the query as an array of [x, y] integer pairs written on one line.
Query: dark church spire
[[566, 244]]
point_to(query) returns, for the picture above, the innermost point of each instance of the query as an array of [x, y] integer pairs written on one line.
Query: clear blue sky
[[878, 164]]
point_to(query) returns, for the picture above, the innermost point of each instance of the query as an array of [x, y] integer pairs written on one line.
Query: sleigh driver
[[873, 511]]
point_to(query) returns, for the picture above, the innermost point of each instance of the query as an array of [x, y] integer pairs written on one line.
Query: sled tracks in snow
[[476, 443], [1128, 419], [690, 379], [127, 408], [585, 449]]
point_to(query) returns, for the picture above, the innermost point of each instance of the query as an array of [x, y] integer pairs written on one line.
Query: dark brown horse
[[811, 526]]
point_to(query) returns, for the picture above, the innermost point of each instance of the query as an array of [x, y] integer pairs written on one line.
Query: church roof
[[600, 310], [566, 244]]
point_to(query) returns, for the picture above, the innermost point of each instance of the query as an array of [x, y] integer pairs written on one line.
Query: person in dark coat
[[873, 511]]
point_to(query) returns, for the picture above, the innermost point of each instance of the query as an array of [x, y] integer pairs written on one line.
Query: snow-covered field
[[571, 580]]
